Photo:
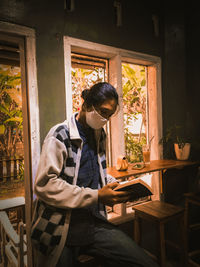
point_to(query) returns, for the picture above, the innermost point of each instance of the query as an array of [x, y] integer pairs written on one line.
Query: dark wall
[[181, 90], [174, 68], [193, 70], [174, 72], [96, 21], [91, 20]]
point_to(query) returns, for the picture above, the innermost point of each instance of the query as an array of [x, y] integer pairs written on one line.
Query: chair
[[192, 200], [160, 213], [15, 208], [13, 244]]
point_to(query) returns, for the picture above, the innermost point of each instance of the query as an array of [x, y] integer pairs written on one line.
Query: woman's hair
[[84, 93], [98, 94]]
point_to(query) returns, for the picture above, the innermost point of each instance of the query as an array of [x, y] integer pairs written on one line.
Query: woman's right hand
[[110, 197]]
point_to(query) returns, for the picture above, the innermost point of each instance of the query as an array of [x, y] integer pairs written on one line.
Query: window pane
[[11, 133], [83, 79], [85, 72], [135, 109]]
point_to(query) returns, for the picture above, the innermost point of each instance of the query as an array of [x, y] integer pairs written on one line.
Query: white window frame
[[116, 56]]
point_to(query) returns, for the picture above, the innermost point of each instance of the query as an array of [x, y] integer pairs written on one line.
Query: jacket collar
[[73, 130]]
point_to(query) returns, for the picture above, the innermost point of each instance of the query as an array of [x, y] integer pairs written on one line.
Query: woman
[[72, 189]]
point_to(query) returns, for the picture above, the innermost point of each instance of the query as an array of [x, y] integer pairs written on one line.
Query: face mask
[[95, 120]]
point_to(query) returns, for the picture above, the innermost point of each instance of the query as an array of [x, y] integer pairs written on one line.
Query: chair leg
[[137, 229], [186, 226], [161, 243], [183, 239], [3, 243], [21, 245]]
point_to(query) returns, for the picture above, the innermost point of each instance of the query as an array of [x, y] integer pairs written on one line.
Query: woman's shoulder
[[59, 131]]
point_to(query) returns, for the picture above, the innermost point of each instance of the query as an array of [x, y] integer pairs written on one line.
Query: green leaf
[[143, 82], [4, 109], [15, 119], [2, 129]]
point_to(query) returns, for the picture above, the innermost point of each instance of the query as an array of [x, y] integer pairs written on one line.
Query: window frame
[[116, 56]]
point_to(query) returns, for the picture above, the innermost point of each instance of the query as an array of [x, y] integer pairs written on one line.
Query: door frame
[[25, 38]]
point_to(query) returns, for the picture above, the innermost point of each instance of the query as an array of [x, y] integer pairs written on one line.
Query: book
[[137, 187]]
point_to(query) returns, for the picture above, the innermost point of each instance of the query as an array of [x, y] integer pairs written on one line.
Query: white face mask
[[95, 120]]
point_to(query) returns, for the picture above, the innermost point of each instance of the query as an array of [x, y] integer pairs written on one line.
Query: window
[[135, 108], [85, 72], [11, 123], [118, 60]]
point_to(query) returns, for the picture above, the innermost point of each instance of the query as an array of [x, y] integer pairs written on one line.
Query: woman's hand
[[109, 197]]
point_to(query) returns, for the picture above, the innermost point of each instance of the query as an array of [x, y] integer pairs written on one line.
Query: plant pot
[[182, 153], [122, 163]]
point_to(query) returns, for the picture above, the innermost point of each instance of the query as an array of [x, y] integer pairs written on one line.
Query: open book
[[137, 187]]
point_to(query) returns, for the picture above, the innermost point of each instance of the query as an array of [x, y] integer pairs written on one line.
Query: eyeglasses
[[104, 112]]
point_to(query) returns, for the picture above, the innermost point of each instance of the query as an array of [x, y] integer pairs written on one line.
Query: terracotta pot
[[122, 163], [182, 153]]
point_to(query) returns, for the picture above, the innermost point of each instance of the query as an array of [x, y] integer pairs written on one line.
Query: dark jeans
[[112, 245]]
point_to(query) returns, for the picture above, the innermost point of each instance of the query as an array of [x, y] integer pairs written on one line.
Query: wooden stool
[[160, 213], [191, 199]]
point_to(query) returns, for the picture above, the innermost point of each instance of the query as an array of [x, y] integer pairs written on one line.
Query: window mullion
[[117, 124], [68, 83]]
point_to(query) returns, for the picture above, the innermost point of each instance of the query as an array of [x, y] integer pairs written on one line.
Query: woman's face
[[107, 108], [97, 116]]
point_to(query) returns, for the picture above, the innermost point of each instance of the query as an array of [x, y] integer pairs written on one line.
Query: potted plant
[[177, 136]]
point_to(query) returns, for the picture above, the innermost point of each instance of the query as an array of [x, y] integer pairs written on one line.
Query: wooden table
[[155, 165]]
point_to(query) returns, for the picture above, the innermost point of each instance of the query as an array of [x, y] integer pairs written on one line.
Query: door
[[15, 128]]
